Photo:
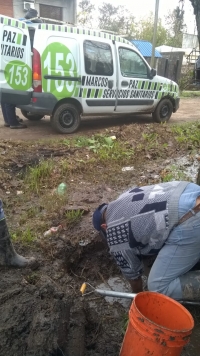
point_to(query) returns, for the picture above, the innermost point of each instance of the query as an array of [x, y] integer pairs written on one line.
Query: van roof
[[83, 31], [62, 28], [5, 20]]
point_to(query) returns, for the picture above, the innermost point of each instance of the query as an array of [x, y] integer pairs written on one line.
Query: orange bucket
[[158, 326]]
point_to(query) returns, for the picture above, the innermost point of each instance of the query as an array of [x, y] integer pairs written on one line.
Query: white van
[[15, 62], [79, 72]]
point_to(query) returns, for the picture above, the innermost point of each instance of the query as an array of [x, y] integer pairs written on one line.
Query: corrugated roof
[[145, 48]]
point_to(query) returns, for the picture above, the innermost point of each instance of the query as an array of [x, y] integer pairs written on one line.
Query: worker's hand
[[136, 285]]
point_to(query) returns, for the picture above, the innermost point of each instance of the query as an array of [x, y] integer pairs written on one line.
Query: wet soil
[[42, 310]]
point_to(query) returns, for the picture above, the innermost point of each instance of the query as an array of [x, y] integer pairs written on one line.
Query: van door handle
[[110, 84], [124, 83]]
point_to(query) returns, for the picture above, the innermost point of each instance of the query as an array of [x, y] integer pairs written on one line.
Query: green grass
[[36, 175], [25, 237], [151, 140], [73, 217], [189, 94], [97, 159], [32, 278], [124, 323], [173, 173], [187, 134], [96, 143]]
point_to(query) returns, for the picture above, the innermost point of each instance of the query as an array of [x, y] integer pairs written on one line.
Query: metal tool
[[110, 293]]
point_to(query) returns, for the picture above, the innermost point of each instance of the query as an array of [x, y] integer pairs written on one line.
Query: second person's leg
[[12, 119], [170, 272], [4, 112]]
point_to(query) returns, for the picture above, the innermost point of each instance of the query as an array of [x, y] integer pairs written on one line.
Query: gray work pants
[[177, 257]]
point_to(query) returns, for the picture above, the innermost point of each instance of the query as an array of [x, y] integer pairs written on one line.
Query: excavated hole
[[90, 261]]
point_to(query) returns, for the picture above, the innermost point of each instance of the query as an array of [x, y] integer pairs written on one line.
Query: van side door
[[15, 62], [99, 80], [136, 91]]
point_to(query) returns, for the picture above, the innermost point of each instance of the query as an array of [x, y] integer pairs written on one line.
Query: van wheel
[[66, 119], [163, 111], [31, 116]]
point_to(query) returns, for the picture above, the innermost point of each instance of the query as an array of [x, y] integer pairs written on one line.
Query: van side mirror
[[152, 73]]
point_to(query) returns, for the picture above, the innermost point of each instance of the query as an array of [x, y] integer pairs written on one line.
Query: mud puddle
[[117, 284], [184, 168]]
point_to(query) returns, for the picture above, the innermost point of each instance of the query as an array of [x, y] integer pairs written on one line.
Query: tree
[[144, 30], [115, 19], [196, 6], [84, 17], [175, 22]]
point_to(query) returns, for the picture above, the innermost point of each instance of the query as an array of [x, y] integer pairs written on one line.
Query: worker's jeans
[[9, 114], [1, 211], [177, 257]]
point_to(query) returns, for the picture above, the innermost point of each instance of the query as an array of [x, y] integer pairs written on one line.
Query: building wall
[[6, 7], [69, 8]]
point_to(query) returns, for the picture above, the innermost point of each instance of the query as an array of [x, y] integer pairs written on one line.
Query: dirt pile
[[34, 319]]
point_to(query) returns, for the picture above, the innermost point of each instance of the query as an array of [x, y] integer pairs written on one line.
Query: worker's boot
[[8, 256], [190, 284]]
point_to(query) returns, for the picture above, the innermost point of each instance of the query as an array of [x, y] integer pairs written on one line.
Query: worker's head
[[98, 220]]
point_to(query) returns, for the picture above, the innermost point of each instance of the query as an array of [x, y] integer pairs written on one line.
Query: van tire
[[163, 111], [32, 117], [66, 118]]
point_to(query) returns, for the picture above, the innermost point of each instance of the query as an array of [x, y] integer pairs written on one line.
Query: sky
[[141, 8]]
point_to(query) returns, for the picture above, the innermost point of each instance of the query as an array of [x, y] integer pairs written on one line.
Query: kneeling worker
[[162, 220]]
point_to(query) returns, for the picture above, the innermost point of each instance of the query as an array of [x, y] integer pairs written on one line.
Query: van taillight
[[37, 80]]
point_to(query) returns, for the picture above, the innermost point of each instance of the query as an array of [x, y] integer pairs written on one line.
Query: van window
[[31, 34], [98, 58], [131, 64]]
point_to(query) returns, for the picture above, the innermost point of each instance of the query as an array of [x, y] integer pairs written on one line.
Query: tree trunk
[[198, 26]]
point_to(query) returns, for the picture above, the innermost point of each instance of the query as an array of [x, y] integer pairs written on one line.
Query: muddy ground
[[42, 311], [189, 111]]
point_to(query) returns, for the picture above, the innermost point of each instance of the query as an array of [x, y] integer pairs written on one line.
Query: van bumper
[[43, 103], [15, 97], [176, 106]]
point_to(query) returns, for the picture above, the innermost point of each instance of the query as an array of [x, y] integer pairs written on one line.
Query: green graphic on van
[[18, 75], [58, 61]]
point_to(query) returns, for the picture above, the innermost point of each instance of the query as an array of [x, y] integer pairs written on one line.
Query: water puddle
[[120, 285], [185, 167]]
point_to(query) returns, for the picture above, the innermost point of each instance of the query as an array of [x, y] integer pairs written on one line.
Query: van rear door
[[15, 62]]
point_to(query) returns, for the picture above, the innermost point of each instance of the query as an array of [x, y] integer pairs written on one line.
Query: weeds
[[125, 321], [187, 134], [53, 202], [25, 237], [35, 175], [96, 160], [64, 166], [73, 217], [190, 93], [173, 173], [119, 153], [151, 140], [96, 143], [33, 278]]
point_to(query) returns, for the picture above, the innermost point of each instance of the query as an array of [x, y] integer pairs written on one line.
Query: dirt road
[[189, 110]]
